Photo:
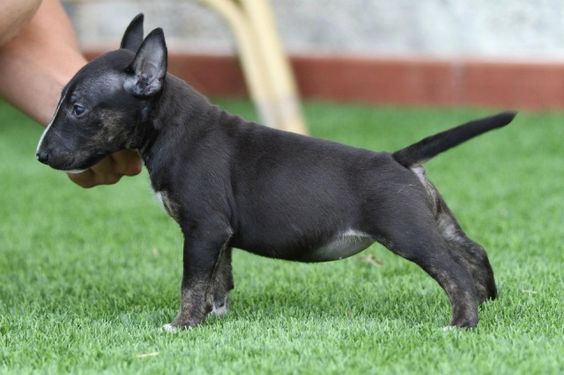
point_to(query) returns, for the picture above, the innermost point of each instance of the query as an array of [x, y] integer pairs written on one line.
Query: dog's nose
[[42, 156]]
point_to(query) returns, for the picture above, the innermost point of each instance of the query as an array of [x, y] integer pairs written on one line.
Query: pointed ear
[[133, 36], [147, 71]]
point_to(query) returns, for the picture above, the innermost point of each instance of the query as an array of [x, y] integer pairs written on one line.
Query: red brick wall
[[395, 81]]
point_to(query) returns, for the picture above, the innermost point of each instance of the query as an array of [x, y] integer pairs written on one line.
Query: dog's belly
[[341, 246]]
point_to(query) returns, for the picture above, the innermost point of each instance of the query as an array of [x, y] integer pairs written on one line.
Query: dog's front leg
[[202, 250]]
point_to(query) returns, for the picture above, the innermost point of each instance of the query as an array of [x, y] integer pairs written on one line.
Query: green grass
[[87, 277]]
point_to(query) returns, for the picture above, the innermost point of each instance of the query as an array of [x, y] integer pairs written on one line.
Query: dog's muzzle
[[42, 156], [57, 159]]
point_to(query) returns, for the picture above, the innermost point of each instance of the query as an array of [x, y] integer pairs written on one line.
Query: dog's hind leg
[[222, 283], [431, 253], [411, 232], [467, 252]]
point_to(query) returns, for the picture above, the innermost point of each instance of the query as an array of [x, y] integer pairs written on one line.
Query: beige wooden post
[[253, 69], [265, 66], [277, 65]]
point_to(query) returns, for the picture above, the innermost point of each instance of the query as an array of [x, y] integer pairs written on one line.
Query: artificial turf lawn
[[87, 277]]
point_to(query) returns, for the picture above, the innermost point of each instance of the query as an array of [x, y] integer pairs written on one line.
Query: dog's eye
[[78, 109]]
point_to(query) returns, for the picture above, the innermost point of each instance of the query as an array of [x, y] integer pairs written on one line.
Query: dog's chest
[[342, 245]]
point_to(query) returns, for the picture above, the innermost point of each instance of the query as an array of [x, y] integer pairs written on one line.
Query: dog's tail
[[431, 146]]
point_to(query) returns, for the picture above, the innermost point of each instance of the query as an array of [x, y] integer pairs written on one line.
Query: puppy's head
[[105, 103]]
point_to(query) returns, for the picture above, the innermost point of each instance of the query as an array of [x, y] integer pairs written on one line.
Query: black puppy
[[230, 183]]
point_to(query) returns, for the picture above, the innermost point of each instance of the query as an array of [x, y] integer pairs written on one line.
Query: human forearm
[[39, 61], [14, 15]]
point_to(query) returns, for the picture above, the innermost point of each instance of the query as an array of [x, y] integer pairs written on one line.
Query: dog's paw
[[219, 310], [170, 327], [448, 328], [220, 307], [464, 325]]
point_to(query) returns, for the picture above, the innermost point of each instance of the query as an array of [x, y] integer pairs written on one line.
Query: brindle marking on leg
[[197, 298], [194, 305], [430, 251], [465, 251], [471, 253]]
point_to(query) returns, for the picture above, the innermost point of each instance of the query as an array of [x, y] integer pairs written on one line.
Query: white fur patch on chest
[[343, 245], [169, 206], [159, 198]]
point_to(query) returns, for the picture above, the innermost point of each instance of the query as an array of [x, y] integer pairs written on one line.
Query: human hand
[[109, 170]]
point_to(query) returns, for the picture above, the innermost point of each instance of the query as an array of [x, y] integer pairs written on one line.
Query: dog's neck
[[181, 113]]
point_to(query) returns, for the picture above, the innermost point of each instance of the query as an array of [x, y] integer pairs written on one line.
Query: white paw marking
[[170, 328], [221, 310], [448, 328]]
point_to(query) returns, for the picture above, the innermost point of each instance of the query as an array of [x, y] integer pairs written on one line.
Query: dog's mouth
[[67, 156], [73, 171], [68, 162]]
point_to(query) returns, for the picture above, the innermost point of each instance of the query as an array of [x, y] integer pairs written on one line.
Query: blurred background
[[507, 29], [506, 53]]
